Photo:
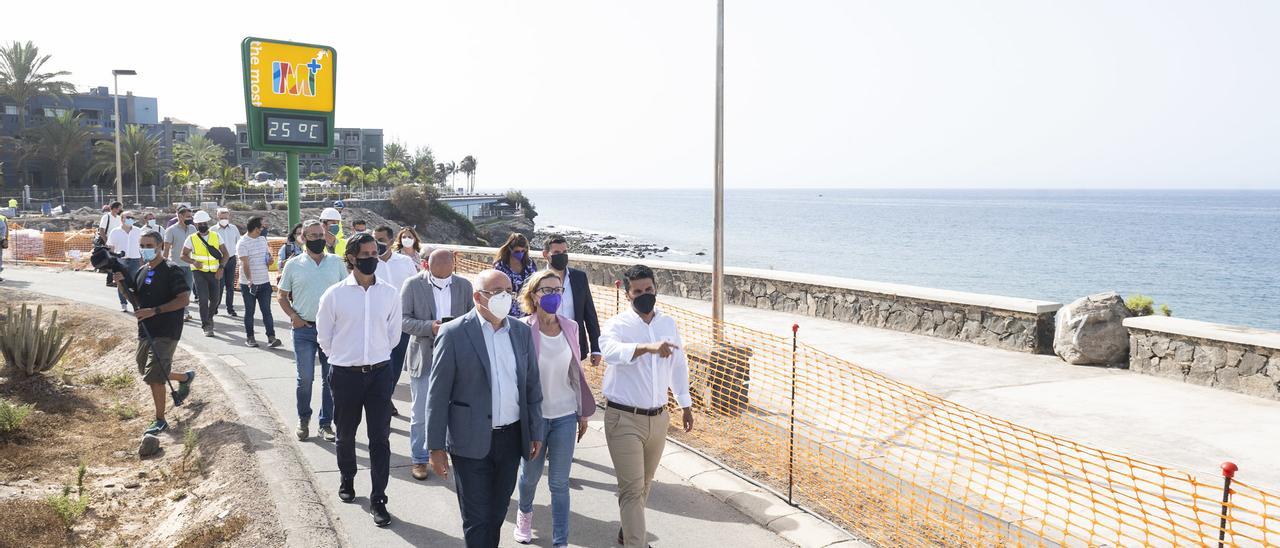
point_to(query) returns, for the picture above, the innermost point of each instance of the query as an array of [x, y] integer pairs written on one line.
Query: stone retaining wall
[[1001, 322], [1232, 358]]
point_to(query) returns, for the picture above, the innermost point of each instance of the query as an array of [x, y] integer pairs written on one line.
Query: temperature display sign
[[294, 130]]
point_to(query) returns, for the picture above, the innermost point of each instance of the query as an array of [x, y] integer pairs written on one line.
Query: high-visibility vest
[[340, 242], [200, 254]]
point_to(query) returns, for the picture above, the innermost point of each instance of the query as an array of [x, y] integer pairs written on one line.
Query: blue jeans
[[418, 418], [131, 273], [562, 436], [305, 350], [258, 297]]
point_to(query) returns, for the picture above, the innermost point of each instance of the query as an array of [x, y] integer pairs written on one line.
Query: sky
[[818, 93]]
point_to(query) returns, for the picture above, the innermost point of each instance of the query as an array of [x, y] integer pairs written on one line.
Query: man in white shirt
[[643, 349], [110, 221], [230, 237], [255, 283], [395, 269], [357, 325], [124, 241]]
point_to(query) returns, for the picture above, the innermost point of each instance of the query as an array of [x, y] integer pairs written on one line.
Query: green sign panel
[[289, 91]]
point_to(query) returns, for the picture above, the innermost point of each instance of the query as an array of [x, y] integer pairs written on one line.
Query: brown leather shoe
[[420, 471]]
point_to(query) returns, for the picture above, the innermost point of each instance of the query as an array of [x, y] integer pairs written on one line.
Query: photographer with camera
[[208, 258], [159, 293]]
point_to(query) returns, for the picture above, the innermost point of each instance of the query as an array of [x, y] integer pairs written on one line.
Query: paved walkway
[[1193, 428], [426, 513]]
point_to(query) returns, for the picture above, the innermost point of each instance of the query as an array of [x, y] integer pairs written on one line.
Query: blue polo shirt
[[306, 281]]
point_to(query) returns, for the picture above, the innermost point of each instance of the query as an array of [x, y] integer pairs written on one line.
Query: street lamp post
[[717, 263], [115, 99], [137, 195]]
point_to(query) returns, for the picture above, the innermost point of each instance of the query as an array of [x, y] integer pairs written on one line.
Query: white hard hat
[[330, 214], [201, 217]]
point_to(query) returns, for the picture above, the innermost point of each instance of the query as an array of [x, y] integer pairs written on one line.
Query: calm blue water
[[1211, 255]]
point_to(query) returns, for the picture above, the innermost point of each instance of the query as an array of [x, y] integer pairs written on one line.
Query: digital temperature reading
[[294, 130]]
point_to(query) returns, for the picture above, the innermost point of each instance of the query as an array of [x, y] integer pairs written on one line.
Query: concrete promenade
[[693, 504]]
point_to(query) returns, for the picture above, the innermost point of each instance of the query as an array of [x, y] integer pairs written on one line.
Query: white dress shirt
[[396, 270], [228, 235], [643, 382], [357, 326], [502, 372], [127, 242], [443, 295], [566, 300]]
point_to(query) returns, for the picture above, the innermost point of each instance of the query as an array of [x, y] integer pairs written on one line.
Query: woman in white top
[[407, 243], [566, 404]]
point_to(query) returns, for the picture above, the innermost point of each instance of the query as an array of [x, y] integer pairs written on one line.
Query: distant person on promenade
[[230, 236], [255, 280], [357, 325], [395, 269], [305, 279], [123, 241], [175, 237], [408, 244], [513, 260], [110, 221], [567, 403], [292, 248], [161, 293], [207, 256], [577, 304], [645, 357], [484, 407], [427, 300], [4, 240]]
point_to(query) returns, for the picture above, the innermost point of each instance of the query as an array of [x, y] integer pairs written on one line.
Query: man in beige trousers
[[643, 349]]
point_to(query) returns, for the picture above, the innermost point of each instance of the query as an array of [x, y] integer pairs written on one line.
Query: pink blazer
[[568, 330]]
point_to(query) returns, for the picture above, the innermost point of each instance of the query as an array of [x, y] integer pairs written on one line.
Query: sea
[[1208, 255]]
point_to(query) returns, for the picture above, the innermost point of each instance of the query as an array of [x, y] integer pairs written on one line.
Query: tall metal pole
[[137, 194], [115, 93], [291, 176], [717, 263]]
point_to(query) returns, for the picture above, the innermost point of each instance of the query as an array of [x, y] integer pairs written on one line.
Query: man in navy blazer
[[576, 304], [484, 407]]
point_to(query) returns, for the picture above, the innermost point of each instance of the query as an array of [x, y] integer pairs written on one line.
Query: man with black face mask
[[643, 349], [576, 303], [208, 259], [358, 325]]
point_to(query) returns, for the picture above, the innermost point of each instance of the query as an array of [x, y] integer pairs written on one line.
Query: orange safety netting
[[902, 466]]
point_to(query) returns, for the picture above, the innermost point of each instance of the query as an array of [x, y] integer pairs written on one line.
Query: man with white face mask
[[229, 234], [124, 242]]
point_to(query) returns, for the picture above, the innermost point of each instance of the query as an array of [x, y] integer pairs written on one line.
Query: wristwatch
[[155, 310]]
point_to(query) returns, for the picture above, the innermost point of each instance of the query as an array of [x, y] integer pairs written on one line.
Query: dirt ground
[[203, 489]]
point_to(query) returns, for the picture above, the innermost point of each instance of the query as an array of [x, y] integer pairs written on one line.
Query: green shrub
[[120, 380], [1139, 304], [280, 206], [68, 508], [29, 346], [124, 411], [12, 416], [239, 206], [1164, 309], [260, 205], [518, 197], [189, 443]]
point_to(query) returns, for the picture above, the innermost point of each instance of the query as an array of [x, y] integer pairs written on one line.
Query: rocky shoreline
[[596, 243]]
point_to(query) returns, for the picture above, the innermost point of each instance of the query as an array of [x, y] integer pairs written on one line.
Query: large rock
[[1090, 330]]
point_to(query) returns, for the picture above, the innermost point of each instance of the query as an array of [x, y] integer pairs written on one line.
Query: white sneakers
[[523, 532]]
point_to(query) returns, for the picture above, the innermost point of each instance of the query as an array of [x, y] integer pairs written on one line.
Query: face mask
[[129, 221], [440, 282], [644, 303], [187, 222], [406, 242], [148, 254], [367, 265], [315, 246], [151, 223], [333, 229], [549, 303], [519, 255], [202, 228], [500, 305], [560, 261], [382, 249], [223, 223]]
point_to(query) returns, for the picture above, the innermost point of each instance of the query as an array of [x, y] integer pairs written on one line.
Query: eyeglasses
[[550, 290], [488, 293]]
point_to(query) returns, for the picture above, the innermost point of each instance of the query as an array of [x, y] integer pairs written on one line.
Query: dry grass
[[214, 534], [31, 522]]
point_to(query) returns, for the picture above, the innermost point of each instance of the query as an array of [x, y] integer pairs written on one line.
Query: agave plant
[[28, 346]]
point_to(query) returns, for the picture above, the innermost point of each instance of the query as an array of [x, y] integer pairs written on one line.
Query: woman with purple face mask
[[567, 403], [513, 259]]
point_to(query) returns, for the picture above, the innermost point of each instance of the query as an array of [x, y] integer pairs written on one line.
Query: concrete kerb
[[306, 520], [795, 524]]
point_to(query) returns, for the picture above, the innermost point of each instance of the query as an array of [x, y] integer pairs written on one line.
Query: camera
[[104, 260]]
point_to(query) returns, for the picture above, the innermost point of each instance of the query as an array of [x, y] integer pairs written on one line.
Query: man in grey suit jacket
[[484, 407], [427, 300]]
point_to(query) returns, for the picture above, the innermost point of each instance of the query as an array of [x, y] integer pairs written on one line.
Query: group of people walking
[[495, 369]]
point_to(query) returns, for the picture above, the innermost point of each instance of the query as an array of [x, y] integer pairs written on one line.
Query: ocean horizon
[[1210, 255]]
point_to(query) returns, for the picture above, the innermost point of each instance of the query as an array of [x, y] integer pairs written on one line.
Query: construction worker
[[334, 238], [208, 259]]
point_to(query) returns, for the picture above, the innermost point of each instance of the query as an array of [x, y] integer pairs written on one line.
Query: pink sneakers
[[524, 527]]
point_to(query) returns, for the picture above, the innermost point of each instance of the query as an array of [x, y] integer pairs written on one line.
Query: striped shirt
[[254, 260]]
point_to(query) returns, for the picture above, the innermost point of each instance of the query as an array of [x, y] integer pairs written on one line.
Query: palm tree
[[272, 163], [451, 170], [200, 155], [22, 81], [228, 177], [133, 139], [422, 167], [350, 175], [395, 152], [468, 167], [60, 140]]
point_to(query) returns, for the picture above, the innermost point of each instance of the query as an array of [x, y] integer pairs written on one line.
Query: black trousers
[[208, 294], [484, 487], [355, 392], [229, 282]]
